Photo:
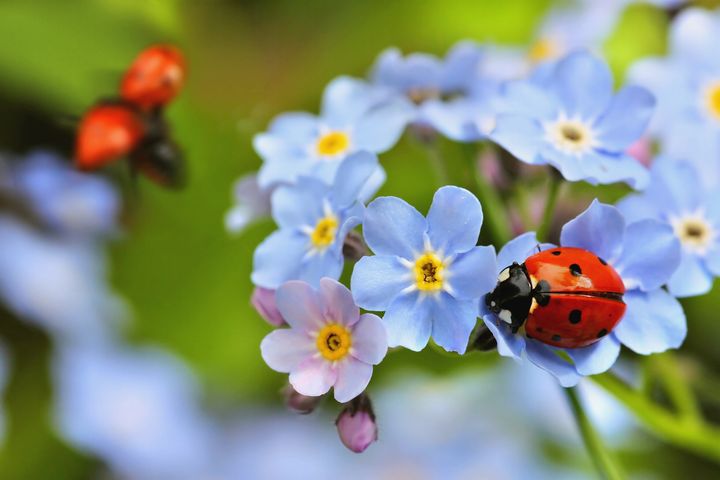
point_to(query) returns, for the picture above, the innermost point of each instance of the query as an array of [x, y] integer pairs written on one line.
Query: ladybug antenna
[[538, 247]]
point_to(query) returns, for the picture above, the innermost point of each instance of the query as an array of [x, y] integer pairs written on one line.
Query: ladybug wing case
[[573, 270]]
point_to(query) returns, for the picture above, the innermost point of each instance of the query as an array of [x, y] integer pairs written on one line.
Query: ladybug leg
[[482, 339]]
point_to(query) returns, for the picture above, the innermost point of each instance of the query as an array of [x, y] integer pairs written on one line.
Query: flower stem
[[601, 457], [680, 393], [495, 212], [698, 437], [550, 203]]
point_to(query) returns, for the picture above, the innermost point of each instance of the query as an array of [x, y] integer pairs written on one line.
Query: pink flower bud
[[356, 425], [641, 150], [263, 300], [299, 403]]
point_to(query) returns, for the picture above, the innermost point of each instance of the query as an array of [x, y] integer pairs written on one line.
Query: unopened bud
[[299, 403], [263, 300], [354, 247], [356, 424]]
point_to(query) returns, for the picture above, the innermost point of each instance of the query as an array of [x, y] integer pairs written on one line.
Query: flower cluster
[[431, 278]]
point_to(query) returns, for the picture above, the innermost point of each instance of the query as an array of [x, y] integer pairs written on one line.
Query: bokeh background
[[186, 280]]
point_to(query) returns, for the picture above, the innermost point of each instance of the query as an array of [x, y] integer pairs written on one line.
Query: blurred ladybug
[[133, 126], [565, 297], [154, 78]]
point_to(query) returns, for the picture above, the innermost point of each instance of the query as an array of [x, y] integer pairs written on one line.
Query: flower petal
[[625, 119], [596, 358], [408, 322], [453, 322], [584, 84], [393, 227], [278, 258], [517, 250], [314, 376], [353, 376], [352, 176], [654, 322], [322, 264], [650, 255], [381, 128], [369, 339], [473, 274], [546, 358], [454, 220], [377, 280], [300, 305], [284, 349], [338, 302], [523, 137], [300, 204], [599, 229], [508, 344], [691, 278]]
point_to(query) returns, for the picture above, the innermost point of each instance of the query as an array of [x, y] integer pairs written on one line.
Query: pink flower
[[263, 300], [356, 425], [329, 343]]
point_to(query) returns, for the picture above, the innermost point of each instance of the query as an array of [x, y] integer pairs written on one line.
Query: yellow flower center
[[570, 136], [324, 233], [334, 342], [712, 97], [333, 143], [429, 272], [544, 49], [694, 233]]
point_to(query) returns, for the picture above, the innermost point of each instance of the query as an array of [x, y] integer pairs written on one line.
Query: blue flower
[[355, 116], [138, 410], [645, 254], [687, 87], [313, 219], [676, 197], [427, 273], [251, 204], [573, 122]]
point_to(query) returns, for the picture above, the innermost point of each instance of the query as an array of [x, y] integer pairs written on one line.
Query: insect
[[133, 125], [565, 297]]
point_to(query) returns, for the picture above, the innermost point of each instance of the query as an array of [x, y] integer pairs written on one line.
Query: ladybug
[[154, 78], [565, 297], [133, 125]]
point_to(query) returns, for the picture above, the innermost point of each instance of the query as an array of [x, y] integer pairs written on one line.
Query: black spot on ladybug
[[529, 336], [556, 338], [539, 329], [543, 286], [602, 261], [575, 269], [602, 333], [556, 252], [543, 300], [575, 316]]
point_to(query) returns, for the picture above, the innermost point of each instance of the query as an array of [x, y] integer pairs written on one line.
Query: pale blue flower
[[427, 274], [313, 219], [676, 196], [573, 122], [645, 254]]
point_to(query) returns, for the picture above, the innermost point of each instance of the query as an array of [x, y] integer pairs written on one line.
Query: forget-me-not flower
[[573, 122], [645, 254], [676, 196], [427, 274], [313, 219], [355, 116], [329, 344]]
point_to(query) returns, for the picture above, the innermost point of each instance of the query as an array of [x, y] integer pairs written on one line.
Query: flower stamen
[[429, 270], [323, 235], [332, 144], [334, 342], [694, 232]]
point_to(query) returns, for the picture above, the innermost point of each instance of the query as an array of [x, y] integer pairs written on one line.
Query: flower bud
[[356, 424], [354, 247], [263, 300], [641, 150], [299, 403]]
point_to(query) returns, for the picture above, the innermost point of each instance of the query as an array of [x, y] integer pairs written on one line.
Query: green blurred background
[[184, 277]]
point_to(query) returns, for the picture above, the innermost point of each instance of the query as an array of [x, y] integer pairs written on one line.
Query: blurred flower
[[66, 200], [137, 410], [677, 198], [356, 424], [58, 283], [573, 122], [645, 254], [328, 344], [427, 274], [355, 116], [314, 219], [686, 84], [299, 403], [251, 204], [641, 151], [263, 300]]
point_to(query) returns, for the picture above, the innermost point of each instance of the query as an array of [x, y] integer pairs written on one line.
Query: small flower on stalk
[[356, 424], [427, 274], [329, 344], [263, 301], [572, 121], [299, 403]]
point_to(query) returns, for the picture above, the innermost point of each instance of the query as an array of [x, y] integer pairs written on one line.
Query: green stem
[[680, 393], [496, 216], [437, 164], [601, 457], [700, 438], [550, 203]]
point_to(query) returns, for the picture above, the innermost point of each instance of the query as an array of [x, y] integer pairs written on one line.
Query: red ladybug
[[565, 297], [154, 78], [107, 132]]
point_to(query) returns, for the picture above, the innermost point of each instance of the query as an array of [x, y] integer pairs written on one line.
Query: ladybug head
[[512, 297]]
